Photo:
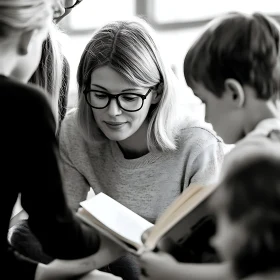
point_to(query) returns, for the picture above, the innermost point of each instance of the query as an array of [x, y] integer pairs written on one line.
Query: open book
[[125, 227]]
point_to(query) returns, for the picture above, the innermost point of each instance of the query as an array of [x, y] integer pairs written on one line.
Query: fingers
[[166, 244], [144, 272], [144, 262], [146, 257], [145, 234]]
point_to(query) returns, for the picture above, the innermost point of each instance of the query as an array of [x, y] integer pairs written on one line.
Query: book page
[[177, 203], [187, 203], [112, 215], [87, 218]]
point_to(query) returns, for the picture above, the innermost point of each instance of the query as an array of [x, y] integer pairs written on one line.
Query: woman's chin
[[115, 136]]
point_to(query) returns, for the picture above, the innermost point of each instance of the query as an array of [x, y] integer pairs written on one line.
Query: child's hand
[[157, 266]]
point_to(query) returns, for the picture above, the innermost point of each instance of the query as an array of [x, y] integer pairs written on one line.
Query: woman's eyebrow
[[130, 89], [100, 87], [124, 90]]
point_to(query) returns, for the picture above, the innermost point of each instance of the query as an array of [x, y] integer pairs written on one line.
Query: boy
[[234, 68]]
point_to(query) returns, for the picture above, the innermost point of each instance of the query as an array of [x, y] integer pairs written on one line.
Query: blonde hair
[[21, 15], [129, 48], [51, 70]]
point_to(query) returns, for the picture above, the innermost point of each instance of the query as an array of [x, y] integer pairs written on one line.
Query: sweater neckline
[[142, 161]]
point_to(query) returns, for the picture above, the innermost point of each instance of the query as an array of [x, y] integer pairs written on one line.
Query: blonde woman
[[29, 151], [129, 136]]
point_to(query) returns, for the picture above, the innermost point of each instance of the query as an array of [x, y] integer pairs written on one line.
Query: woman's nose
[[113, 108]]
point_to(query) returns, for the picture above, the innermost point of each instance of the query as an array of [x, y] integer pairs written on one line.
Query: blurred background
[[176, 22]]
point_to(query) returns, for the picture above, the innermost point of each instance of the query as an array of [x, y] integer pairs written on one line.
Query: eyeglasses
[[130, 102], [75, 4]]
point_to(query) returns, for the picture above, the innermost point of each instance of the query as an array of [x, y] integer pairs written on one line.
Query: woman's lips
[[115, 125]]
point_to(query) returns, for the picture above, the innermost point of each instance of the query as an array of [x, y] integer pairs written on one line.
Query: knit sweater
[[146, 185]]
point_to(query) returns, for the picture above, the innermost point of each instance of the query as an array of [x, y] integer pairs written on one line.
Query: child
[[234, 68], [247, 206]]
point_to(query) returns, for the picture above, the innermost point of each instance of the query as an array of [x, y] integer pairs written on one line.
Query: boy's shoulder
[[197, 136], [196, 131]]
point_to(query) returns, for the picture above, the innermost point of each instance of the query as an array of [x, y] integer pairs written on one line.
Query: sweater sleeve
[[76, 185], [207, 165], [206, 158]]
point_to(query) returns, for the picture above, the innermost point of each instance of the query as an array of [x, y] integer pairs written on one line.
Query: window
[[91, 14], [169, 14]]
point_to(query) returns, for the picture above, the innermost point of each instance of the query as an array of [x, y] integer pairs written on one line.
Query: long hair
[[51, 73], [129, 48]]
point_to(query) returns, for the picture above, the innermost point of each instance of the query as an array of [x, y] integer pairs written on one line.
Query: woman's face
[[116, 123]]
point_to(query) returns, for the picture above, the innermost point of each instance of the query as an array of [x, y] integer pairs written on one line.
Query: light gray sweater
[[146, 185]]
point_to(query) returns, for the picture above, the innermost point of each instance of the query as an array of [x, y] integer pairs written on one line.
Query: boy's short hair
[[249, 194], [238, 46]]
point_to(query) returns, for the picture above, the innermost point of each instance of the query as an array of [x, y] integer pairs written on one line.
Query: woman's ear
[[236, 92], [25, 41], [157, 93]]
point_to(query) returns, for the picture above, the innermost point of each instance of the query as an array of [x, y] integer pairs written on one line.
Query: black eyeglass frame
[[74, 5], [116, 96]]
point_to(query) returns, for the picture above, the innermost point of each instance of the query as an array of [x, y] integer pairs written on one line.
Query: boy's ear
[[25, 41], [157, 93], [234, 88]]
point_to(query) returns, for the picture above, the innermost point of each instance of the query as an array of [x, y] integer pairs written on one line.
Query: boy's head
[[247, 206], [234, 67]]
